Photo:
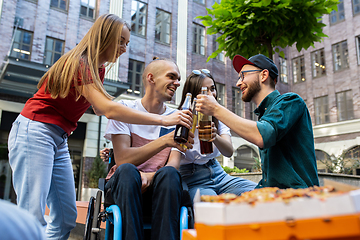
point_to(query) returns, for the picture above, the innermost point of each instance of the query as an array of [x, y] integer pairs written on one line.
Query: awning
[[20, 77]]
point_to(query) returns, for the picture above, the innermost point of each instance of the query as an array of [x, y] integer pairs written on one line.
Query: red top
[[63, 112]]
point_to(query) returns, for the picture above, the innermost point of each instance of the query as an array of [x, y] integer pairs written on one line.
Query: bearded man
[[283, 131]]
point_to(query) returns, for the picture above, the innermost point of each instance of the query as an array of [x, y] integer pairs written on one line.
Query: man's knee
[[168, 172], [126, 176], [126, 170], [167, 177]]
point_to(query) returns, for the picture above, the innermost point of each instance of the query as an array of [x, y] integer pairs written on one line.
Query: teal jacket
[[288, 155]]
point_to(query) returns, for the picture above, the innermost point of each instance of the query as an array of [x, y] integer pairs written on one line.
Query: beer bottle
[[194, 114], [181, 132], [204, 122]]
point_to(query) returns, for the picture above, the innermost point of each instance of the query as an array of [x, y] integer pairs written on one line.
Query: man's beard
[[251, 90]]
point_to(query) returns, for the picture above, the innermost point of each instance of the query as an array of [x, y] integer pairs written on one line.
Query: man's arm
[[125, 153], [245, 128]]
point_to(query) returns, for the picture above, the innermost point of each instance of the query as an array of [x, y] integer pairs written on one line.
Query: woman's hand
[[183, 117], [213, 132], [104, 154]]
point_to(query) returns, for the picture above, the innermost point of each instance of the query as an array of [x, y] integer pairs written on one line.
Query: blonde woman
[[38, 150]]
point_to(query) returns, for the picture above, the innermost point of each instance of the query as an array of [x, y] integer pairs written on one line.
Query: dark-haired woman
[[203, 171]]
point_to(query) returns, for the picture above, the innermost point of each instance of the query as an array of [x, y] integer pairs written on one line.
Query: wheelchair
[[112, 214]]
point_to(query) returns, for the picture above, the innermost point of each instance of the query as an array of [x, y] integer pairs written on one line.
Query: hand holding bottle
[[206, 104], [182, 132], [205, 129]]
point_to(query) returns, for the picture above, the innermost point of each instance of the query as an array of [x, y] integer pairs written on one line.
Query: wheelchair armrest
[[102, 184]]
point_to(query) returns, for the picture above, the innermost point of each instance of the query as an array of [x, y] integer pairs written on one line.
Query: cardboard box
[[301, 208], [337, 217]]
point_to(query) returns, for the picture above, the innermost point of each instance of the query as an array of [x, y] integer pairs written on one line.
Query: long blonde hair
[[84, 58]]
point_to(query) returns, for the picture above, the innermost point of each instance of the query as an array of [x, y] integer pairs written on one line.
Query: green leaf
[[282, 54], [266, 2]]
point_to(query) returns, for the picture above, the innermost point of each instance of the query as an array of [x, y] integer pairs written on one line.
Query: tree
[[249, 27], [98, 170]]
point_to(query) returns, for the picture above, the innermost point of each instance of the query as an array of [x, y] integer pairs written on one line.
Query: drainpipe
[[99, 135]]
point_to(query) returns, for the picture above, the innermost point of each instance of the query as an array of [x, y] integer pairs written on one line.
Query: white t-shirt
[[141, 135], [194, 155]]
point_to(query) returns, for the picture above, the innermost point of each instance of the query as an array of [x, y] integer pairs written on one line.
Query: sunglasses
[[201, 71]]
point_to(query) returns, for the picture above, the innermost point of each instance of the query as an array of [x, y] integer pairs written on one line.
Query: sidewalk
[[78, 232]]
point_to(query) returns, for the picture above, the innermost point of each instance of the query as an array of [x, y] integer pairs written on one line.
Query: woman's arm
[[224, 144], [174, 159], [117, 111]]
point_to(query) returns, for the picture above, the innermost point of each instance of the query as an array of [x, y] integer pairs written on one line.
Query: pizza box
[[209, 213], [336, 218]]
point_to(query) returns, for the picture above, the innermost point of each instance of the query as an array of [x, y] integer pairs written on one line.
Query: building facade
[[327, 77], [35, 33]]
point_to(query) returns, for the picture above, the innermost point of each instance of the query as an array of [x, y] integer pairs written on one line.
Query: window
[[340, 56], [237, 104], [220, 93], [298, 69], [323, 161], [53, 50], [88, 8], [252, 115], [356, 6], [199, 39], [22, 44], [244, 157], [337, 16], [344, 105], [135, 77], [283, 70], [138, 18], [353, 153], [200, 1], [318, 63], [162, 27], [221, 55], [59, 4], [321, 110], [357, 41]]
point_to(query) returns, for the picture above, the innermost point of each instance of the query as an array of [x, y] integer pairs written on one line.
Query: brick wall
[[332, 82]]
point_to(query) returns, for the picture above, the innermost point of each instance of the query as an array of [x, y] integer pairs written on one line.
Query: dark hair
[[193, 85]]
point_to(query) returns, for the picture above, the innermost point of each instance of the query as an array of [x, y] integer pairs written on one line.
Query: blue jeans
[[211, 179], [161, 201], [43, 174]]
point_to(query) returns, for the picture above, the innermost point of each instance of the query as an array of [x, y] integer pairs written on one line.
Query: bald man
[[143, 180]]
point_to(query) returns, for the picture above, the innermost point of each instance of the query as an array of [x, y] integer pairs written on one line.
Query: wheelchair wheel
[[95, 227], [89, 218], [191, 218]]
